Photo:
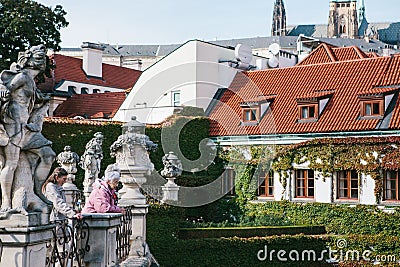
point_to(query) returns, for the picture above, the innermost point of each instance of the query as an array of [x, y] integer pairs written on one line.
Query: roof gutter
[[287, 139]]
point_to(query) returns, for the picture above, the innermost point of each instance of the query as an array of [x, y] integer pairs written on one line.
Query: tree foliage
[[24, 23]]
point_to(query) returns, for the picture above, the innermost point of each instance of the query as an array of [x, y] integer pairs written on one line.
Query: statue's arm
[[18, 81]]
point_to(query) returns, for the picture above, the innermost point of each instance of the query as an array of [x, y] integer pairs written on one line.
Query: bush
[[338, 219], [163, 225]]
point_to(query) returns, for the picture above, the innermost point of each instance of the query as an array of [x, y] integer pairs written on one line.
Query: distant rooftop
[[285, 42]]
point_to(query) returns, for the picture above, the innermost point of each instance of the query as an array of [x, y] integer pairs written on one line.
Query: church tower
[[279, 19], [361, 12], [343, 20]]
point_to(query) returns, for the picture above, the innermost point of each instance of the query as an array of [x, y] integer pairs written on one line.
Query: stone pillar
[[132, 178], [25, 246], [102, 239], [170, 191], [131, 153]]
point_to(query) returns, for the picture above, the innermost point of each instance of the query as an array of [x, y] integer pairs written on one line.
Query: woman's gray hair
[[112, 173]]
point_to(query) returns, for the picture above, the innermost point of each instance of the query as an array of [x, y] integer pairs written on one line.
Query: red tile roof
[[260, 99], [102, 105], [326, 53], [70, 69], [348, 78], [379, 90], [316, 95]]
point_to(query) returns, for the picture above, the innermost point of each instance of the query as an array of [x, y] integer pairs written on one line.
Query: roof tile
[[102, 105], [70, 69]]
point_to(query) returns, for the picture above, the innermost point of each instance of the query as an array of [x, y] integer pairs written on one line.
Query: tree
[[24, 23]]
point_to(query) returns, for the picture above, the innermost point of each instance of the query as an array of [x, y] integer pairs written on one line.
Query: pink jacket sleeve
[[103, 203]]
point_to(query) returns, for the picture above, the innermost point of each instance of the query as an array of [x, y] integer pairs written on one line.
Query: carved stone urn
[[131, 151], [68, 160], [172, 169]]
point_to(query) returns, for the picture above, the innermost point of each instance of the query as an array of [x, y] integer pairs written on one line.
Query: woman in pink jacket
[[103, 198]]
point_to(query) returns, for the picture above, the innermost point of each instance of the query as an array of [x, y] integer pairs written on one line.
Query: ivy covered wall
[[367, 155]]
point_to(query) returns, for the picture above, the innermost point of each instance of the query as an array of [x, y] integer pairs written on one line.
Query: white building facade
[[189, 76]]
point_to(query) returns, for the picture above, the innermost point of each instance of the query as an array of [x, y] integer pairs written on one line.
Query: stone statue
[[68, 161], [26, 154], [91, 161]]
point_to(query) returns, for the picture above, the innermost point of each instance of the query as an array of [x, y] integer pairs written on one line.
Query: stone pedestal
[[133, 198], [70, 190], [32, 219], [102, 239], [170, 191], [132, 179], [25, 246], [138, 237]]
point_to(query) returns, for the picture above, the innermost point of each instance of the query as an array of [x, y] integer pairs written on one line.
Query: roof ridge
[[329, 51], [359, 52], [383, 75]]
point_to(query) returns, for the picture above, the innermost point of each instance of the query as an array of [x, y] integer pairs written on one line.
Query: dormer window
[[311, 106], [254, 110], [375, 102]]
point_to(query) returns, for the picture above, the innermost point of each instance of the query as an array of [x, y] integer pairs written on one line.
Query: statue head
[[67, 148], [34, 58], [99, 137]]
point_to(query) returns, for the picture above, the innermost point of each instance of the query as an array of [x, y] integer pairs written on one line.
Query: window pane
[[304, 112], [376, 109], [253, 115], [354, 193], [247, 115], [176, 98], [310, 192], [368, 109], [312, 112]]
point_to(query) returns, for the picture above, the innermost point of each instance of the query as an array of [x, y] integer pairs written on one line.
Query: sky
[[177, 21]]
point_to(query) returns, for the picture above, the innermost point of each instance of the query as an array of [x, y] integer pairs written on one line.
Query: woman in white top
[[53, 191]]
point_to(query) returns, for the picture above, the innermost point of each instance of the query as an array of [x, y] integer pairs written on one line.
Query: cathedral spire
[[279, 19], [361, 12]]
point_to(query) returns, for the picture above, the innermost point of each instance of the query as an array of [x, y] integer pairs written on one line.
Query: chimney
[[92, 59]]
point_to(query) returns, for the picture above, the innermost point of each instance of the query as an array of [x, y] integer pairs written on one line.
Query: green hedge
[[363, 227], [162, 237], [77, 136], [247, 232], [338, 219], [192, 131]]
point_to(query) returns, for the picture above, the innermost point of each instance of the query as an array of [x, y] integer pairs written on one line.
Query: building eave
[[287, 139]]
